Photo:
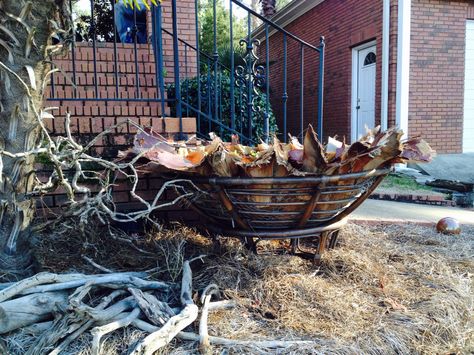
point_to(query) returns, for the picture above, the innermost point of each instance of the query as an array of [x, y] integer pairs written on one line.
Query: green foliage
[[104, 23], [403, 182], [206, 21], [189, 95]]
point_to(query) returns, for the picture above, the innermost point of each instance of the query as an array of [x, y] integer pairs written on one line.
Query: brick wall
[[92, 117], [345, 24], [437, 71]]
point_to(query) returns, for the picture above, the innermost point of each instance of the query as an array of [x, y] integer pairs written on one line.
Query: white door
[[468, 131], [363, 90]]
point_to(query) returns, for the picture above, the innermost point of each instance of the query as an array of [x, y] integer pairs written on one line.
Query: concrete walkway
[[376, 210]]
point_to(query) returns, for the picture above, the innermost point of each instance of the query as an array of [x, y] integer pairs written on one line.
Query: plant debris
[[385, 289], [230, 159]]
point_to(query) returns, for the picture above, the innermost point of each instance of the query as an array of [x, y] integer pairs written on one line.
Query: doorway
[[363, 89]]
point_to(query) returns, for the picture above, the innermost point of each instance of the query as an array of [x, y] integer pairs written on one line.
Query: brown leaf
[[390, 147], [417, 150], [314, 160], [147, 139]]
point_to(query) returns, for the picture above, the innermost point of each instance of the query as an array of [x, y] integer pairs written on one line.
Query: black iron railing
[[232, 99]]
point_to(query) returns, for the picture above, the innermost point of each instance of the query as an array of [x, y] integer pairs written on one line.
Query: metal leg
[[250, 244], [333, 240], [322, 244], [216, 244], [295, 245]]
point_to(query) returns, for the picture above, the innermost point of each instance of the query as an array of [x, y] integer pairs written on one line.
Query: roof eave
[[286, 15]]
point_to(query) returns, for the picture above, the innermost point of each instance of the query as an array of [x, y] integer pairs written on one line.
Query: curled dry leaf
[[217, 158], [314, 160], [417, 150]]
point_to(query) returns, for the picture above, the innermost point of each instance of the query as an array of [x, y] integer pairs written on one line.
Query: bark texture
[[25, 29]]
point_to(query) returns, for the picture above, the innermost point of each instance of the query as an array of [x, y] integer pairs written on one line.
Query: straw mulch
[[386, 289]]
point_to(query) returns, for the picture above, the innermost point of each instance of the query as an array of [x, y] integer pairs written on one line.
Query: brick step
[[103, 108], [91, 125]]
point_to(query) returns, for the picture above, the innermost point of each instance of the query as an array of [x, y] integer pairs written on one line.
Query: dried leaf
[[370, 134], [390, 148], [281, 154], [223, 164], [19, 20], [15, 117], [26, 10], [6, 81], [148, 140], [30, 42], [170, 160], [314, 160], [417, 150], [196, 158], [31, 75], [296, 156], [376, 149], [25, 103], [8, 49], [45, 115], [1, 170], [11, 35]]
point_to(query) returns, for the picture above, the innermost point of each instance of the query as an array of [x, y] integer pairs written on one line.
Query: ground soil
[[385, 289]]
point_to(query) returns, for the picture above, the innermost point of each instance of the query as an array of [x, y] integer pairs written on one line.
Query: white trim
[[355, 68], [403, 64], [385, 64], [468, 109]]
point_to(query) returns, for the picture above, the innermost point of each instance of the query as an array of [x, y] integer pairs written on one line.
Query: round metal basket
[[282, 208]]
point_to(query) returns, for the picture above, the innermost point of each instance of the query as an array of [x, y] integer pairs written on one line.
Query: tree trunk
[[24, 38], [268, 8]]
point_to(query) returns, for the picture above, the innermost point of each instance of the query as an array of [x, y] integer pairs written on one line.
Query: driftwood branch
[[269, 344], [101, 304], [156, 311], [175, 324], [99, 332], [204, 345], [27, 310]]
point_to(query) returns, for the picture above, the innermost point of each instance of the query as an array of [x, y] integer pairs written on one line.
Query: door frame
[[354, 82]]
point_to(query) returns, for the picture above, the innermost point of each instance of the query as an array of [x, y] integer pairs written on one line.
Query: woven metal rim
[[308, 180]]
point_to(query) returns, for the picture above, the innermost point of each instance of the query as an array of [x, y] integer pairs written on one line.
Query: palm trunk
[[24, 39]]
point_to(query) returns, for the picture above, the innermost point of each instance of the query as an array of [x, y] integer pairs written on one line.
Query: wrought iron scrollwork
[[250, 76]]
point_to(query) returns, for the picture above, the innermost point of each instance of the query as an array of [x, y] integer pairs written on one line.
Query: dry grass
[[386, 289]]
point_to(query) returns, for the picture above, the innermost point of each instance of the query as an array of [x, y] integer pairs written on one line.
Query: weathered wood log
[[175, 324], [99, 332], [225, 304], [204, 344], [269, 344], [165, 334], [38, 279], [28, 285], [81, 327], [118, 280], [156, 311], [27, 310], [100, 314], [37, 328]]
